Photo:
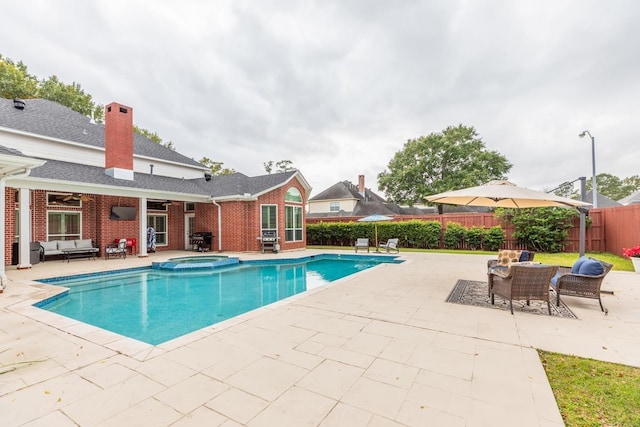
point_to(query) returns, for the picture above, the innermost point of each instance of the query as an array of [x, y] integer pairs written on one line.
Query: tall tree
[[153, 136], [72, 96], [614, 187], [15, 80], [216, 167], [282, 166], [453, 159]]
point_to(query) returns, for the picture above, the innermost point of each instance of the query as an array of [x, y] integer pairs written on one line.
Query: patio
[[380, 348]]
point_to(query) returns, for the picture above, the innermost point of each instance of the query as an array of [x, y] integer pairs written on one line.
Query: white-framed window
[[64, 225], [159, 224], [269, 218], [293, 223], [64, 199], [334, 206], [293, 195]]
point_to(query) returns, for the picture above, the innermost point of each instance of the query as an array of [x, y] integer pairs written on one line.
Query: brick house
[[66, 177]]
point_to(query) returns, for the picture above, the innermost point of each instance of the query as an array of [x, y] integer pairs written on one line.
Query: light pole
[[594, 191]]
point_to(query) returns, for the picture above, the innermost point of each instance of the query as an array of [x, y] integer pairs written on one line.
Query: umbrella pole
[[375, 226]]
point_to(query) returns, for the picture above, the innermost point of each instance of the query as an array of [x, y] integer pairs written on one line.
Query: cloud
[[338, 87]]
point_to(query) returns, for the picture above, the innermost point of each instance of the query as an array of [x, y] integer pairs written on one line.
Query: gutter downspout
[[3, 185], [219, 224]]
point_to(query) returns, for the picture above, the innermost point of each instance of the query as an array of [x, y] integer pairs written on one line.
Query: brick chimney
[[361, 188], [118, 141]]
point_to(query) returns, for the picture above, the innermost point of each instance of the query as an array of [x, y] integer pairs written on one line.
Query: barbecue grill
[[269, 240], [201, 241]]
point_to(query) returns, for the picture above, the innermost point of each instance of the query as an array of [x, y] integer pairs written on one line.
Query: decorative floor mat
[[471, 292]]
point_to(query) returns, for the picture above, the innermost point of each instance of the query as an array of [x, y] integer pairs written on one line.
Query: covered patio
[[381, 347]]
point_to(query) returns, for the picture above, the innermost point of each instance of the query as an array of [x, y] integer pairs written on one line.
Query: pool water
[[155, 305]]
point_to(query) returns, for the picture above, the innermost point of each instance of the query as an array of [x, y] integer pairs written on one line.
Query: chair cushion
[[50, 246], [66, 244], [507, 256], [83, 243], [591, 267], [575, 269]]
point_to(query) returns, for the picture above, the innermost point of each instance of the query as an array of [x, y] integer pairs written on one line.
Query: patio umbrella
[[503, 194], [375, 218]]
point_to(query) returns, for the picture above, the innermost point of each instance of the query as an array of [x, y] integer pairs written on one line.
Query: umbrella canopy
[[503, 194], [375, 218]]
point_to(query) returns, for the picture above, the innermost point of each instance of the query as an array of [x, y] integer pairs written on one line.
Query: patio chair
[[390, 245], [505, 258], [118, 248], [583, 279], [524, 282], [362, 243]]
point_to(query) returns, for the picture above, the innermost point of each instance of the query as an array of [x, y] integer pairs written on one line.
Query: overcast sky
[[338, 87]]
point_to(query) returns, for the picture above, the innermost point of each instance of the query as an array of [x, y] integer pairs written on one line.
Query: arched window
[[293, 195]]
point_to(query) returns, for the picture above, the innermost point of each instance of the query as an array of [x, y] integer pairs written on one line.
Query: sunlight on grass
[[593, 393]]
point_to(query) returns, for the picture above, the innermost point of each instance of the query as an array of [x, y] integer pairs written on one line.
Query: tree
[[614, 187], [153, 137], [71, 96], [15, 80], [567, 189], [282, 165], [453, 159], [216, 167]]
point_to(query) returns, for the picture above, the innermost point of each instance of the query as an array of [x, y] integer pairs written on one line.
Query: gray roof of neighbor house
[[346, 190], [631, 199], [603, 201], [48, 118]]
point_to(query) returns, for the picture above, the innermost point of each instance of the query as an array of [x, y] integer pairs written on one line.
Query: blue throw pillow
[[576, 266], [591, 268], [554, 280], [524, 256]]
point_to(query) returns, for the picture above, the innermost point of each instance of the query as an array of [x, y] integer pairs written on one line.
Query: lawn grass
[[593, 393], [562, 258]]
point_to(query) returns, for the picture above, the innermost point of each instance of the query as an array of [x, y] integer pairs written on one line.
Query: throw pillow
[[507, 256], [576, 266], [524, 256], [591, 267]]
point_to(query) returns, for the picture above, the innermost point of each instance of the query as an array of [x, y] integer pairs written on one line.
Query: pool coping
[[140, 350]]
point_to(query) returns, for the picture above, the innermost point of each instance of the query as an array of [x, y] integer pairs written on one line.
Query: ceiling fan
[[77, 196]]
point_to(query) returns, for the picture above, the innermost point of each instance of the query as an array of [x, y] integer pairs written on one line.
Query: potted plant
[[634, 255]]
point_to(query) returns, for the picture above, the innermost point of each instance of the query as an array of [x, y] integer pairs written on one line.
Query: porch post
[[142, 237], [3, 277], [24, 261]]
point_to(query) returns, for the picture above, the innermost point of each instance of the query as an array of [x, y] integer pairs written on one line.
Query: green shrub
[[473, 237], [453, 235], [494, 238], [540, 229]]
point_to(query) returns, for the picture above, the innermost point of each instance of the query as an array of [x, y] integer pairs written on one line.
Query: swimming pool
[[155, 305]]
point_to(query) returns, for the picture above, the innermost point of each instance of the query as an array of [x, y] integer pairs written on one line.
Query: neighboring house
[[631, 199], [342, 199], [62, 175], [603, 201]]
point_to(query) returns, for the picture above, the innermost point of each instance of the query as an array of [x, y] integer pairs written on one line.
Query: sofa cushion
[[591, 267], [66, 244], [84, 244], [49, 246], [575, 269], [507, 256]]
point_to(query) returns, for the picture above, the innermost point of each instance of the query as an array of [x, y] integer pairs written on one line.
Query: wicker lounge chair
[[524, 282], [362, 243], [580, 285]]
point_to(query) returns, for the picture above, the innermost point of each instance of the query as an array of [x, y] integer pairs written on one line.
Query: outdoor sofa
[[77, 248]]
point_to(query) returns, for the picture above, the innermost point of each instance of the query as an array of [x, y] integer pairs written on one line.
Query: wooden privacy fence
[[609, 229]]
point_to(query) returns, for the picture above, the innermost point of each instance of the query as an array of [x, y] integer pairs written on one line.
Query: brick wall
[[118, 129]]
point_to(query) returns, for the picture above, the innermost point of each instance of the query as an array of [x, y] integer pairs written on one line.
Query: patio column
[[142, 236], [24, 246]]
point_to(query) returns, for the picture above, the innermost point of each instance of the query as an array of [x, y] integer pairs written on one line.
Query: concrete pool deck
[[379, 348]]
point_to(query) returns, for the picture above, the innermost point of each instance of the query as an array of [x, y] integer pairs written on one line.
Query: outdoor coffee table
[[79, 253]]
